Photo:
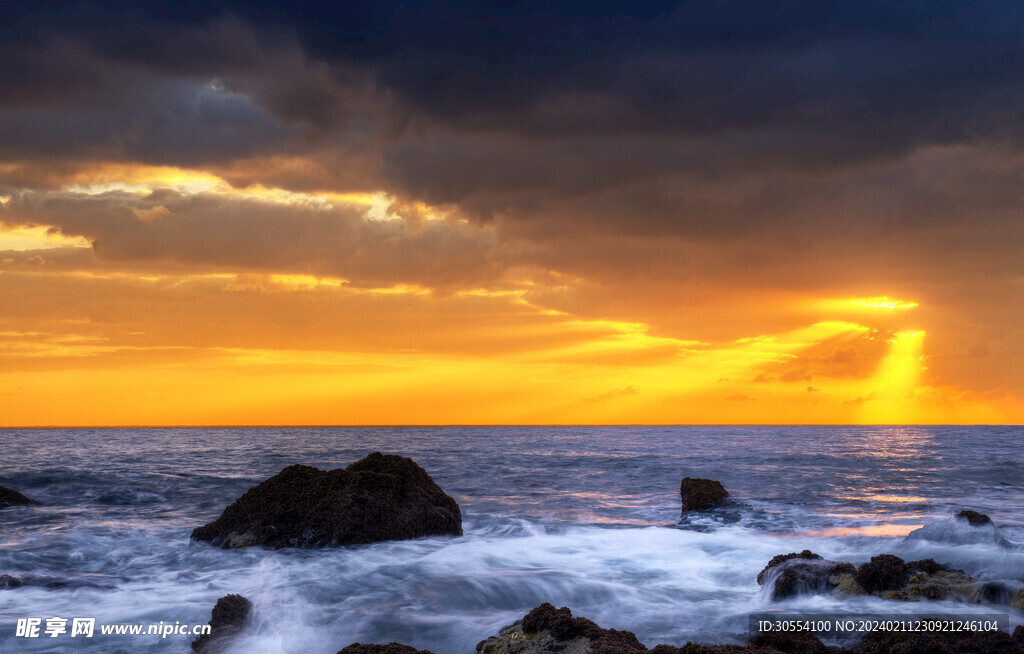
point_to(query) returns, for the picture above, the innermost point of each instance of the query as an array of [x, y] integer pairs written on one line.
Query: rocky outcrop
[[701, 494], [11, 497], [381, 497], [802, 573], [886, 576], [226, 621], [390, 648], [546, 630], [965, 528]]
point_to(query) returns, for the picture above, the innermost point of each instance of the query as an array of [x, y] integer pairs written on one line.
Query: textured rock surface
[[886, 576], [701, 494], [381, 497], [226, 620], [804, 572], [547, 630], [11, 497]]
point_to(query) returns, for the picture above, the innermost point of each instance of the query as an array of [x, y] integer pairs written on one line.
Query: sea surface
[[582, 517]]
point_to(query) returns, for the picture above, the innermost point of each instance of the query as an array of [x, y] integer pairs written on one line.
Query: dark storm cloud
[[827, 82]]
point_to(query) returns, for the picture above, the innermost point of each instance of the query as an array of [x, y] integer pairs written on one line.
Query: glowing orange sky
[[88, 340]]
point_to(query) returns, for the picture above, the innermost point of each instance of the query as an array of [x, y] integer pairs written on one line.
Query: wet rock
[[965, 528], [974, 518], [789, 575], [927, 566], [1000, 592], [390, 648], [885, 576], [882, 572], [11, 497], [949, 642], [547, 629], [1018, 636], [701, 494], [381, 497], [781, 558], [10, 581], [226, 621]]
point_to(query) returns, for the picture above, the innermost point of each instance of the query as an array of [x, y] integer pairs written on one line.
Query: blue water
[[578, 516]]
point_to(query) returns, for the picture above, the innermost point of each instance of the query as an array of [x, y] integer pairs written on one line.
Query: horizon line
[[524, 425]]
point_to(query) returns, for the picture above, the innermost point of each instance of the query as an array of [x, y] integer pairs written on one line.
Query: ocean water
[[582, 517]]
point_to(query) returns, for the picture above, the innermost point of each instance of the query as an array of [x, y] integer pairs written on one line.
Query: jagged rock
[[701, 494], [794, 574], [11, 497], [943, 642], [965, 528], [226, 620], [780, 558], [974, 518], [882, 572], [885, 576], [381, 497], [547, 630], [390, 648]]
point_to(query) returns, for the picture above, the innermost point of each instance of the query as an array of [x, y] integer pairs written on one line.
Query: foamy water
[[582, 517]]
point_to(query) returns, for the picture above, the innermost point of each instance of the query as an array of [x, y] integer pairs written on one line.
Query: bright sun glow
[[883, 302]]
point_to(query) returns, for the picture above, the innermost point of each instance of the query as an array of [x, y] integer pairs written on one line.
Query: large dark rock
[[701, 494], [803, 573], [390, 648], [883, 572], [885, 576], [381, 497], [974, 518], [547, 630], [11, 497], [226, 620], [781, 558]]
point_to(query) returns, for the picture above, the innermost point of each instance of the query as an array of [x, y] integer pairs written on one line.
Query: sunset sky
[[466, 213]]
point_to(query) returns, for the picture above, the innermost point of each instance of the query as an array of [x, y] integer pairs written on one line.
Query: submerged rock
[[789, 575], [381, 497], [11, 497], [226, 621], [701, 494], [965, 528], [390, 648]]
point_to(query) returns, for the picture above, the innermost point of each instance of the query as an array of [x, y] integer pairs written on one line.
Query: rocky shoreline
[[388, 497], [550, 630]]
